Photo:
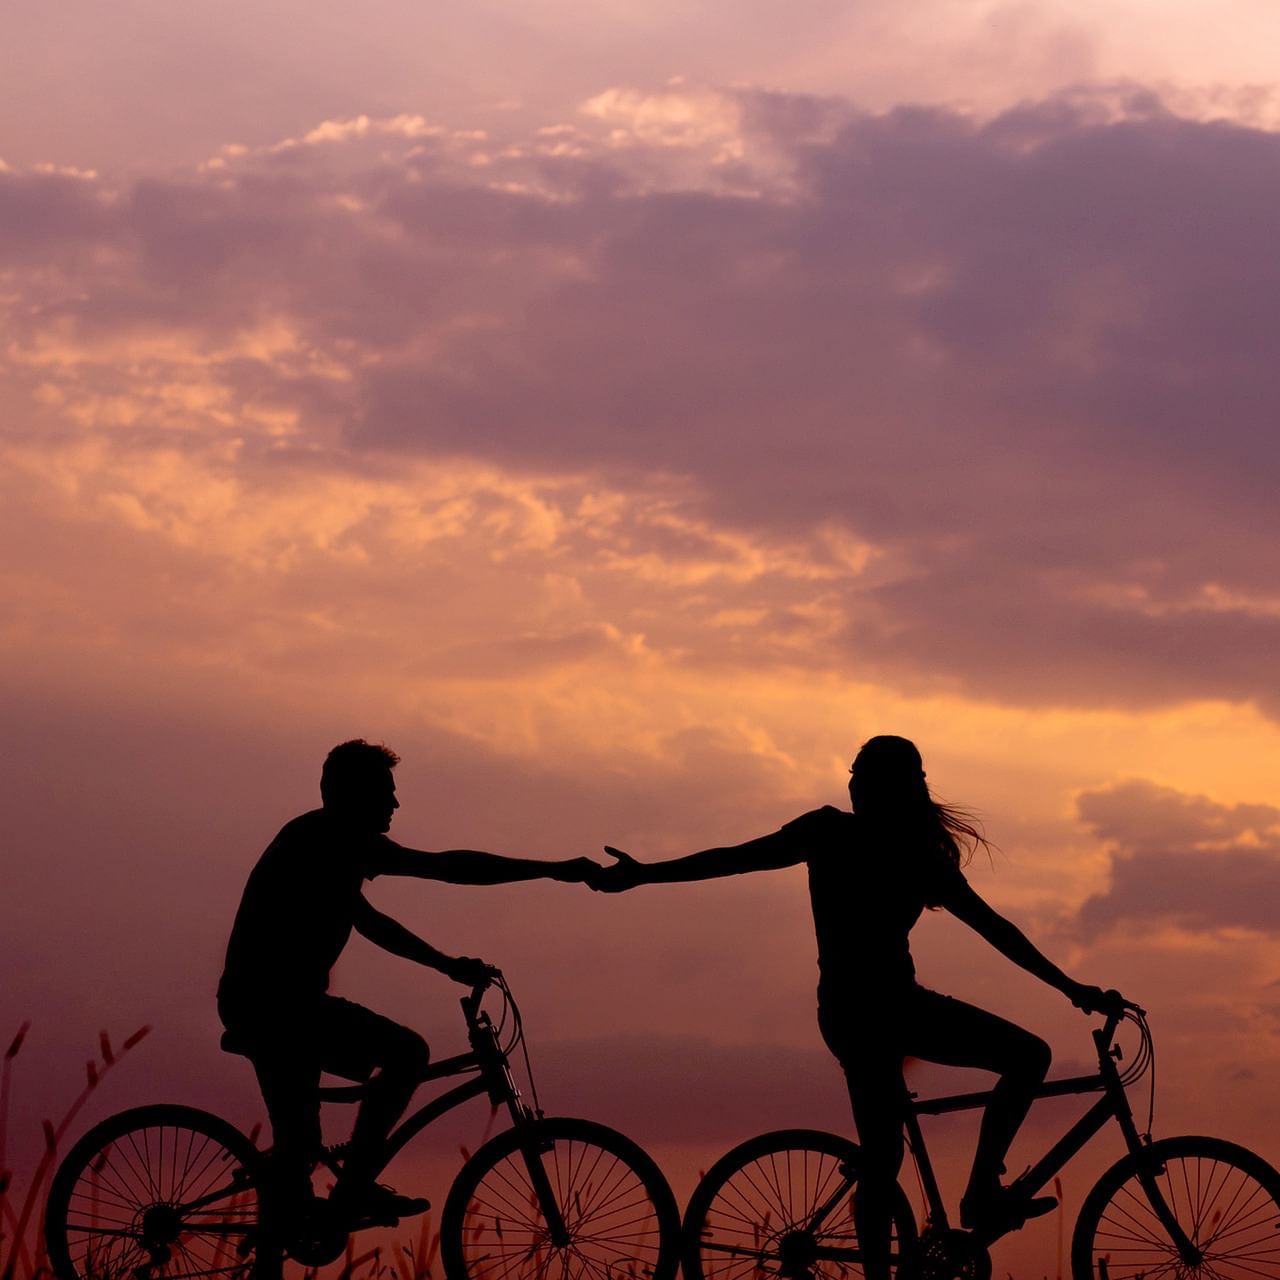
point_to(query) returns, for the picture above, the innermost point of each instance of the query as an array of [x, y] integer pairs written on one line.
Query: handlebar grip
[[471, 1003]]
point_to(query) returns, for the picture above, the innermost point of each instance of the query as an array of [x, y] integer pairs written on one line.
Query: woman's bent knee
[[1033, 1060]]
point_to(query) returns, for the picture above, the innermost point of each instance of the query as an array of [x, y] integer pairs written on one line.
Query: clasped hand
[[624, 874]]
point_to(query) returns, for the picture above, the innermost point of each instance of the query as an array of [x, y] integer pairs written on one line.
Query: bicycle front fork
[[533, 1149], [1148, 1179]]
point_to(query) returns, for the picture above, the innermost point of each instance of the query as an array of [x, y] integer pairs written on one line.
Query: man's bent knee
[[409, 1058]]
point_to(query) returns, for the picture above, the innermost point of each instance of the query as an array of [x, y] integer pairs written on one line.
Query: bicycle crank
[[318, 1239], [949, 1255]]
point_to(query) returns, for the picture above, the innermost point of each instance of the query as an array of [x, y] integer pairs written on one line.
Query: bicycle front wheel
[[1225, 1199], [782, 1205], [616, 1213], [155, 1193]]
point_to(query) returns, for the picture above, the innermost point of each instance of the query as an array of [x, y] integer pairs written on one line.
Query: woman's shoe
[[376, 1203], [1004, 1210]]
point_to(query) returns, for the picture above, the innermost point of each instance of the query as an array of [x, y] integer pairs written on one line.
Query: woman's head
[[887, 786], [887, 777]]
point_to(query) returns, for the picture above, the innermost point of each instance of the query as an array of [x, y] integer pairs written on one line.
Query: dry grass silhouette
[[22, 1252], [22, 1201]]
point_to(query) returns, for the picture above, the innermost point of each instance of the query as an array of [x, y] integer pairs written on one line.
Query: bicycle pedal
[[375, 1220]]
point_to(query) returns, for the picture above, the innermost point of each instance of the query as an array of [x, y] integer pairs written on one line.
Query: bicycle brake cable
[[1144, 1060], [1151, 1101], [518, 1038]]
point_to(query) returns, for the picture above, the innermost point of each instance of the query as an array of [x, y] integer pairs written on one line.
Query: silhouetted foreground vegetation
[[22, 1252], [22, 1201]]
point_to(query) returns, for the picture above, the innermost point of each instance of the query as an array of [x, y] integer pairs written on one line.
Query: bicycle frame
[[488, 1060], [1113, 1105]]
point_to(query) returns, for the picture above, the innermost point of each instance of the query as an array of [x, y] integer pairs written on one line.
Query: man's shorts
[[326, 1032]]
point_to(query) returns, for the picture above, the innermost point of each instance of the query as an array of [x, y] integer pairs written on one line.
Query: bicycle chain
[[948, 1255]]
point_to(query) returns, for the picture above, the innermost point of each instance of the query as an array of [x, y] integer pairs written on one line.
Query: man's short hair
[[351, 766]]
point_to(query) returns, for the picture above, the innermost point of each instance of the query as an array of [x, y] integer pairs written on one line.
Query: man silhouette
[[301, 902]]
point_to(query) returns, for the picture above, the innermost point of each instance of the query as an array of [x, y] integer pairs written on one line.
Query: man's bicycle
[[169, 1192], [781, 1204]]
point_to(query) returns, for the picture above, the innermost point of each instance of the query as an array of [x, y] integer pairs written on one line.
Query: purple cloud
[[1184, 860], [1026, 360]]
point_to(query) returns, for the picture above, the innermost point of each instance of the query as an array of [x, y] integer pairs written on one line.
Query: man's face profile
[[368, 801]]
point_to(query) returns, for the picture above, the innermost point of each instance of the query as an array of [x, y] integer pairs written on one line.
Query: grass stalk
[[19, 1250]]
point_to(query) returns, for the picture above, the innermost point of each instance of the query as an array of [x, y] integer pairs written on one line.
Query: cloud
[[1019, 364], [1183, 860]]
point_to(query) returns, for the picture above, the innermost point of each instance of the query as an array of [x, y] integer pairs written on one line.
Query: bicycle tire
[[617, 1206], [1226, 1199], [121, 1204], [747, 1209]]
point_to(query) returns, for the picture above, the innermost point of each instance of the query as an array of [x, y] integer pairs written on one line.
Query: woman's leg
[[877, 1092], [942, 1029]]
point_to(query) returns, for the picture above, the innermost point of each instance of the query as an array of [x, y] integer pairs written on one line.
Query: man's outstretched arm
[[471, 866], [392, 936]]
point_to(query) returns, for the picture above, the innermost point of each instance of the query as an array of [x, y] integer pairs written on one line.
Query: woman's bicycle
[[781, 1204], [169, 1192]]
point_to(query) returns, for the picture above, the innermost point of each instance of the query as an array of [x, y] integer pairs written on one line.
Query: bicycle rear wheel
[[753, 1213], [1225, 1199], [155, 1193], [619, 1215]]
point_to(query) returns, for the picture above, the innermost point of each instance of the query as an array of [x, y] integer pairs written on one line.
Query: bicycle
[[781, 1204], [168, 1192]]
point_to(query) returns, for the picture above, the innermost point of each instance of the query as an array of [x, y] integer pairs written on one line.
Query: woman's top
[[868, 886]]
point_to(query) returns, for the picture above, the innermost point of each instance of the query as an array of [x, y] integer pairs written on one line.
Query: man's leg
[[358, 1042], [289, 1083], [956, 1034]]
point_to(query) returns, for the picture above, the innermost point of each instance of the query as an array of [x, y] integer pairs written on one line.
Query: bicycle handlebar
[[1121, 1011], [471, 1003]]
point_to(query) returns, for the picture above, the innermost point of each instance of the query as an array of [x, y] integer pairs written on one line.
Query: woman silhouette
[[871, 874]]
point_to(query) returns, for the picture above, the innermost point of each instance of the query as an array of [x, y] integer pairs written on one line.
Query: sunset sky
[[623, 410]]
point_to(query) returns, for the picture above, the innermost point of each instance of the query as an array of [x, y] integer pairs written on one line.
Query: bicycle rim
[[159, 1193], [1225, 1198], [618, 1213], [753, 1214]]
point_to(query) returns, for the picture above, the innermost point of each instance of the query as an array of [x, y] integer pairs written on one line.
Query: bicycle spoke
[[769, 1203], [612, 1229], [120, 1211], [1227, 1201]]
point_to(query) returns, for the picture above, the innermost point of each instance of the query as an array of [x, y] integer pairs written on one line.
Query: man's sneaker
[[1005, 1210], [376, 1203]]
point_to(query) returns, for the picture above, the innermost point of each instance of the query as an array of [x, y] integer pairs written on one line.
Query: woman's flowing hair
[[888, 786], [960, 832]]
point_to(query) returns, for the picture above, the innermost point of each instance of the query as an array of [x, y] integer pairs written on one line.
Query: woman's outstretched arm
[[967, 905], [766, 853]]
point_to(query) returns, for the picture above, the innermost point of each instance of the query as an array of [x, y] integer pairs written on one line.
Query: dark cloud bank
[[1184, 860]]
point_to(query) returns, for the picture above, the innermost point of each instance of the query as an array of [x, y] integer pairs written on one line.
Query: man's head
[[357, 786]]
